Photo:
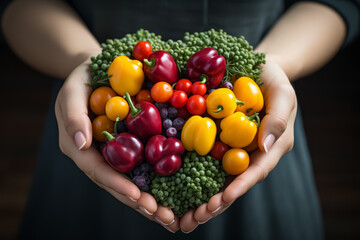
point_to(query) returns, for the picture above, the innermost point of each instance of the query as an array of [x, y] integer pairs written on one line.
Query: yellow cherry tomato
[[247, 91], [235, 161], [99, 98], [116, 107], [102, 123]]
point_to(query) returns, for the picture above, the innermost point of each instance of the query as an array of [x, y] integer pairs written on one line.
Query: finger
[[147, 204], [280, 100], [72, 104], [187, 222], [202, 214], [215, 203], [164, 215]]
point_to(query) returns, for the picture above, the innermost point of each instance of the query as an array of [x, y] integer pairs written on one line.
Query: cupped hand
[[75, 140], [275, 139]]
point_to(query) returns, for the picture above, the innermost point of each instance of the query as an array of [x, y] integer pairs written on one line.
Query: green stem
[[253, 117], [238, 102], [203, 78], [134, 110], [150, 63], [108, 135], [220, 108], [115, 125]]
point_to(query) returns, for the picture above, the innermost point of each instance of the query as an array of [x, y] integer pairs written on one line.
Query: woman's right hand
[[75, 140]]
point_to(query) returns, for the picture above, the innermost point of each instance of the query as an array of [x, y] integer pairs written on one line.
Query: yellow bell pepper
[[199, 133], [126, 75], [238, 130], [221, 103], [245, 89]]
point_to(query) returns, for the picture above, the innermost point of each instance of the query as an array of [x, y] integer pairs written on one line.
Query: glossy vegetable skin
[[219, 150], [161, 67], [196, 105], [142, 50], [99, 98], [161, 92], [235, 161], [246, 90], [221, 103], [126, 75], [238, 130], [206, 64], [99, 124], [164, 154], [143, 120], [116, 107], [123, 152], [199, 134]]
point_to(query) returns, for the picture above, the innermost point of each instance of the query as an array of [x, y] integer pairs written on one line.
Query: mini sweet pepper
[[199, 134], [126, 75], [239, 130], [221, 103]]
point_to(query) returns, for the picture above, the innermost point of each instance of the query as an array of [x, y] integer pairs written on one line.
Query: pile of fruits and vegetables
[[177, 117]]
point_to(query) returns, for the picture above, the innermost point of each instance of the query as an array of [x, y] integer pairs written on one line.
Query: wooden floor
[[330, 106]]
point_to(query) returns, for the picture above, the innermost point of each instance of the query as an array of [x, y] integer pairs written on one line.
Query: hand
[[75, 140], [276, 138]]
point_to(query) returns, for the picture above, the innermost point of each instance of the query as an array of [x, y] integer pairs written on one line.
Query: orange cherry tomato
[[161, 92], [144, 95], [116, 107], [102, 123], [99, 98], [235, 161]]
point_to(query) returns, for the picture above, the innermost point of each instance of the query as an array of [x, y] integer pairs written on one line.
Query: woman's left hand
[[276, 138]]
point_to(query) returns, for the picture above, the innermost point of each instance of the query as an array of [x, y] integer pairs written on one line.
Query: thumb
[[281, 102], [72, 110]]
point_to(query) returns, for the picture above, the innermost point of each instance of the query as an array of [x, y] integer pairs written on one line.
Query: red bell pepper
[[161, 67], [164, 154], [123, 152], [143, 120], [206, 64]]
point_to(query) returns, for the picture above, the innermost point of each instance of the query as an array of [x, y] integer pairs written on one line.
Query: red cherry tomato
[[196, 105], [219, 150], [144, 95], [184, 85], [178, 99], [199, 88], [142, 50]]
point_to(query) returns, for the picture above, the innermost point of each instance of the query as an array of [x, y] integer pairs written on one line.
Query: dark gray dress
[[66, 204]]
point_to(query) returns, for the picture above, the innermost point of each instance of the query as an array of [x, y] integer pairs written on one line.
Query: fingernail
[[161, 222], [145, 211], [132, 199], [269, 141], [204, 221], [218, 209], [80, 140], [188, 231]]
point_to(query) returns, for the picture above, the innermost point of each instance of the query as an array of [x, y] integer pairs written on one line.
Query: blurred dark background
[[330, 104]]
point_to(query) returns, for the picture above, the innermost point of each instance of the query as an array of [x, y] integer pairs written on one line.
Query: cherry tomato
[[142, 50], [161, 92], [219, 150], [144, 95], [199, 88], [196, 105], [184, 85], [102, 123], [99, 98], [235, 161], [116, 107], [178, 99], [205, 96]]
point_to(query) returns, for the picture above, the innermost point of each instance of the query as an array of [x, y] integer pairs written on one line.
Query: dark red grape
[[167, 123], [172, 112], [178, 123], [171, 132], [228, 85]]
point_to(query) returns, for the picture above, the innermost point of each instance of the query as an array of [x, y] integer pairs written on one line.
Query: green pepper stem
[[203, 78], [108, 135], [115, 125], [134, 110], [238, 102], [219, 109], [150, 63], [253, 117]]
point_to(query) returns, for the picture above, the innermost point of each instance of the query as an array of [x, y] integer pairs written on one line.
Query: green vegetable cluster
[[239, 54], [198, 179]]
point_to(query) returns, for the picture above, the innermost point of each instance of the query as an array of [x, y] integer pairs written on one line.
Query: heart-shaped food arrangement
[[177, 117]]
